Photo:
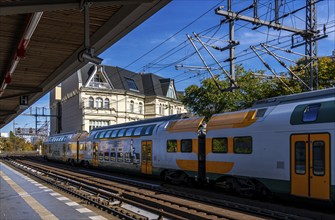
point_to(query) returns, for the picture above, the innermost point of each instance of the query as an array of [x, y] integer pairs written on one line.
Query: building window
[[107, 103], [97, 123], [140, 107], [98, 103], [91, 102], [131, 84], [171, 93], [97, 78], [160, 109], [171, 110], [131, 106]]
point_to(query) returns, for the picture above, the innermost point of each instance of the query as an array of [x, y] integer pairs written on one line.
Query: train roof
[[325, 93], [67, 136], [145, 121]]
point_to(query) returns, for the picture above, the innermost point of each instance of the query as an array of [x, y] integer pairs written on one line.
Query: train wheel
[[86, 164]]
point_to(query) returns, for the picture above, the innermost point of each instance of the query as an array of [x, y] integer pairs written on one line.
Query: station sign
[[25, 131]]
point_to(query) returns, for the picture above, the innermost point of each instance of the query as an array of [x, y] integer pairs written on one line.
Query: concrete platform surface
[[23, 198]]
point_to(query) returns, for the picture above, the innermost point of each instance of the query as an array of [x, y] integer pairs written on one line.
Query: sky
[[160, 43]]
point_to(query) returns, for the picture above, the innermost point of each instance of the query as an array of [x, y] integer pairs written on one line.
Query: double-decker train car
[[282, 145], [146, 147], [66, 147]]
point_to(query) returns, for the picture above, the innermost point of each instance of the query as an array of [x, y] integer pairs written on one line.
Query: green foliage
[[15, 143], [207, 99]]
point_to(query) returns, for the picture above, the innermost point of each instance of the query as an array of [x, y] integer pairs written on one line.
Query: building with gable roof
[[97, 96]]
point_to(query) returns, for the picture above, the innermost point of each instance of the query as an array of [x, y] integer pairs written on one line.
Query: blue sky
[[172, 19]]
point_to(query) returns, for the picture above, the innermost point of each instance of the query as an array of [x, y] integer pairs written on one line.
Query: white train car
[[135, 147], [66, 147], [283, 145]]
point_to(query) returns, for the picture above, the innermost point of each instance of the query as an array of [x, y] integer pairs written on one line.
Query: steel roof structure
[[40, 41]]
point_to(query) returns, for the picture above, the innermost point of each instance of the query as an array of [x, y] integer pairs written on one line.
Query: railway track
[[111, 195]]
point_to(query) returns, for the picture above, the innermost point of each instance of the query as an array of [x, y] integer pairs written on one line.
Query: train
[[281, 145]]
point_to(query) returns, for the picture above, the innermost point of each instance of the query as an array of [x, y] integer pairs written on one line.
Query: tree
[[14, 143], [207, 99], [326, 73]]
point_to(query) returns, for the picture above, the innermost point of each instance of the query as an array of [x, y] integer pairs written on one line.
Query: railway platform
[[23, 198]]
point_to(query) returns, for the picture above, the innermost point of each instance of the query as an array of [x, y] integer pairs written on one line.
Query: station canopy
[[42, 42]]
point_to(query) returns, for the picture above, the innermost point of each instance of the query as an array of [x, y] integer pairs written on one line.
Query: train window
[[137, 131], [96, 135], [243, 145], [219, 145], [311, 113], [129, 132], [300, 157], [113, 156], [186, 145], [171, 146], [81, 147], [121, 132], [102, 134], [108, 133], [127, 157], [319, 158], [106, 156], [260, 113], [101, 155], [149, 129], [113, 135], [120, 157]]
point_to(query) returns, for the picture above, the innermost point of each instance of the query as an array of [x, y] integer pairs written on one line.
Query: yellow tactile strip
[[33, 203]]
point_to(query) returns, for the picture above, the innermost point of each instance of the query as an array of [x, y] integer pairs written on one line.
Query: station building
[[99, 95]]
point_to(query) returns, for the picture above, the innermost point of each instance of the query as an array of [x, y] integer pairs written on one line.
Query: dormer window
[[131, 84], [171, 93]]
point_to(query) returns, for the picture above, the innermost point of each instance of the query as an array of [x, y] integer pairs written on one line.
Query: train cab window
[[113, 156], [186, 145], [81, 147], [311, 113], [129, 132], [319, 158], [138, 131], [300, 157], [121, 132], [260, 113], [171, 146], [243, 145], [219, 145], [106, 156], [120, 157]]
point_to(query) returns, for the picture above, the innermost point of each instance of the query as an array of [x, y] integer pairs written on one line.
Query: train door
[[95, 161], [310, 165], [146, 157], [64, 152]]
